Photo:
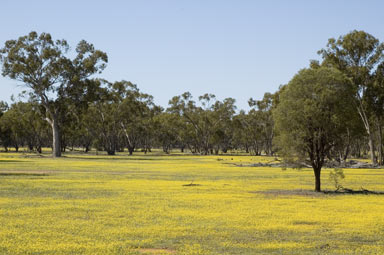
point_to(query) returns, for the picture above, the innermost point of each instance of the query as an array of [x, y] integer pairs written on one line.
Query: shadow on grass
[[114, 158], [352, 192], [23, 174], [10, 161], [191, 185], [312, 193]]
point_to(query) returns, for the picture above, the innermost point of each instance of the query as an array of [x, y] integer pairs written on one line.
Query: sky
[[230, 48]]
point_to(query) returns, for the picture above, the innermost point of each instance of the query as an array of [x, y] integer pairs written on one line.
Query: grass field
[[87, 204]]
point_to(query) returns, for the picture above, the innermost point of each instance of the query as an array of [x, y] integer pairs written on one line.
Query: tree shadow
[[345, 191], [23, 174], [312, 193], [10, 161]]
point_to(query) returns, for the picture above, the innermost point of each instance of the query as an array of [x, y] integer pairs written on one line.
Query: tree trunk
[[111, 152], [131, 150], [317, 172], [380, 143], [56, 150], [372, 148], [367, 126]]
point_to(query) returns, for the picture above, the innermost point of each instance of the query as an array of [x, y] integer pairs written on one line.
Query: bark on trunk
[[367, 126], [372, 148], [380, 143], [56, 150], [317, 179]]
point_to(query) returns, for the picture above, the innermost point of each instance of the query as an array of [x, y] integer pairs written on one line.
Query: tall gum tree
[[357, 54], [307, 117], [55, 80]]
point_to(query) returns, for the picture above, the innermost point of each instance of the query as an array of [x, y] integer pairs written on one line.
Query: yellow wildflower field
[[182, 204]]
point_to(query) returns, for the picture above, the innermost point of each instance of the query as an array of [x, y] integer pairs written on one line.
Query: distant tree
[[357, 54], [307, 116], [149, 124], [135, 112], [223, 113], [205, 122], [241, 140], [26, 126], [4, 130], [14, 122], [54, 79], [262, 116], [375, 105], [166, 130], [122, 118], [191, 114], [102, 121]]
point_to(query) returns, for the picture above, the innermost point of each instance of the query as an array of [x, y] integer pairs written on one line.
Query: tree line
[[69, 108], [124, 118], [331, 110]]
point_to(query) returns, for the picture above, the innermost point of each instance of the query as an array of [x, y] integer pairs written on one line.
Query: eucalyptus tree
[[205, 121], [4, 130], [223, 113], [375, 92], [357, 54], [122, 118], [102, 121], [307, 116], [241, 140], [26, 126], [252, 131], [262, 113], [166, 130], [185, 107], [54, 79], [149, 122], [135, 113], [13, 120]]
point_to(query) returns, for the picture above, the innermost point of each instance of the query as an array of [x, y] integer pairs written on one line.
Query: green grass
[[88, 204]]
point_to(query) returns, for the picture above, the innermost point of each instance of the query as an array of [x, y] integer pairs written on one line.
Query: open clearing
[[142, 204]]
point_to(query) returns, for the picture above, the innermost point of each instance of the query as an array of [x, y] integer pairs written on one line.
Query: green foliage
[[307, 117], [359, 55], [336, 176], [208, 124], [55, 80], [308, 111], [312, 117]]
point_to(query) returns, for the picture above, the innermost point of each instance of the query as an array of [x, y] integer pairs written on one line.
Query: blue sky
[[231, 48]]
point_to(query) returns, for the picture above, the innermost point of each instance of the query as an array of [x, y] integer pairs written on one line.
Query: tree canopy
[[54, 79], [307, 118]]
